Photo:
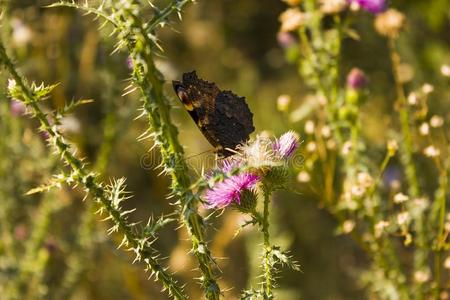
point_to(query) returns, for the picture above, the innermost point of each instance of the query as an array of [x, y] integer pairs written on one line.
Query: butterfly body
[[223, 117]]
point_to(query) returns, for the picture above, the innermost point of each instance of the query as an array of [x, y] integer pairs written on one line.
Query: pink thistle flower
[[224, 193], [286, 145], [372, 6], [229, 164]]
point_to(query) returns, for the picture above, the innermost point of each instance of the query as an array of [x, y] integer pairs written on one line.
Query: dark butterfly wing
[[223, 117], [231, 122]]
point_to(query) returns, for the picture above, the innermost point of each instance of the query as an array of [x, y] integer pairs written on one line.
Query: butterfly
[[223, 117]]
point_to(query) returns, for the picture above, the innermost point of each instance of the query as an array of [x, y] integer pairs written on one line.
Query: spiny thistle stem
[[267, 261], [142, 247], [150, 82]]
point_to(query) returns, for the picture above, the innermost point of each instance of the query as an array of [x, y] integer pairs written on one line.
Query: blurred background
[[234, 44]]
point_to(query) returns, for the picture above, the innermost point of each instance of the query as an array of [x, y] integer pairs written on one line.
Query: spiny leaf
[[69, 108], [85, 7]]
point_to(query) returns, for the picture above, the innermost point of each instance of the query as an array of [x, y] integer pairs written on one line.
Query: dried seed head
[[392, 147], [447, 262], [292, 19], [283, 102], [326, 131], [412, 99], [424, 129], [420, 203], [400, 198], [346, 148], [403, 218], [258, 153], [348, 226], [303, 176], [390, 23], [395, 184], [365, 180], [309, 127], [436, 121], [422, 276], [379, 228], [357, 191], [21, 33], [292, 2], [405, 73], [431, 151], [331, 144], [445, 70], [427, 88], [333, 6], [311, 147]]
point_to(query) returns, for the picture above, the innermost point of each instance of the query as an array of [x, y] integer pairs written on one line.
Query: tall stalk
[[267, 260]]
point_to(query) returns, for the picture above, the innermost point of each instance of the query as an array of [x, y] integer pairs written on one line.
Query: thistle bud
[[248, 202], [356, 79]]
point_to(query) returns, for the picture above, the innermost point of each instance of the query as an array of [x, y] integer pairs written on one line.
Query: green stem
[[407, 150], [325, 80], [440, 242], [268, 280], [150, 82], [353, 155], [407, 145], [384, 164]]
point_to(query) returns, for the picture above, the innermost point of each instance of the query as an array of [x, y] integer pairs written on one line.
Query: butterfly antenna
[[232, 150], [195, 155]]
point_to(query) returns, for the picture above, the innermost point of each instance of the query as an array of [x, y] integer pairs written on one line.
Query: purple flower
[[356, 79], [229, 164], [286, 145], [372, 6], [229, 190], [17, 108]]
